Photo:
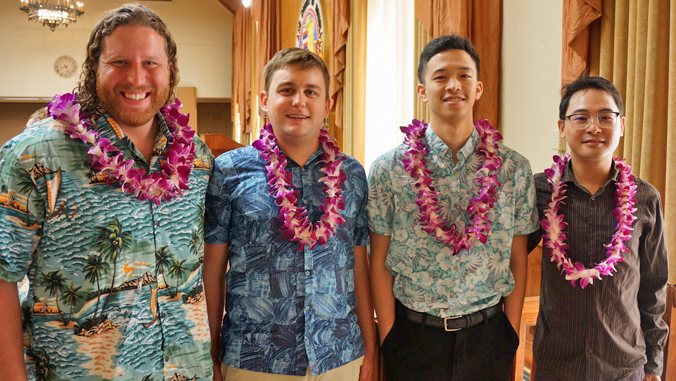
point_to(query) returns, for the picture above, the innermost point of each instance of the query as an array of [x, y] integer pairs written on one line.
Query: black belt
[[453, 323]]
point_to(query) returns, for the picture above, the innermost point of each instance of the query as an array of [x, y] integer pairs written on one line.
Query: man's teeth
[[135, 96], [298, 116]]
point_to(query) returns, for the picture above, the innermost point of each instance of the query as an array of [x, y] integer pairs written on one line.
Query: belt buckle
[[446, 324]]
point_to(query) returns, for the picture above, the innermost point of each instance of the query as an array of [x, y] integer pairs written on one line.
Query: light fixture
[[246, 3], [52, 13]]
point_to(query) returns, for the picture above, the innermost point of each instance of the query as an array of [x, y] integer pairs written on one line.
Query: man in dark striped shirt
[[612, 329]]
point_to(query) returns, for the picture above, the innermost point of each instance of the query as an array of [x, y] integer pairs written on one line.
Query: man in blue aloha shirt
[[298, 299], [440, 306], [101, 206]]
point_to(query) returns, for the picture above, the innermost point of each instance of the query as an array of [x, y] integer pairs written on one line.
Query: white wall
[[531, 77], [202, 30]]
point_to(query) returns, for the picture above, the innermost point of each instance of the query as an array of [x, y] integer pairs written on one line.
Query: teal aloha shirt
[[115, 283], [427, 277]]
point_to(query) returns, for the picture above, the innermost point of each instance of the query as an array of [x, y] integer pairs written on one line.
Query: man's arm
[[382, 282], [519, 266], [652, 290], [364, 310], [215, 265], [12, 366]]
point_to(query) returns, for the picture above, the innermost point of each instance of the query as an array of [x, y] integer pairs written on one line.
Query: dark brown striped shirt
[[614, 326]]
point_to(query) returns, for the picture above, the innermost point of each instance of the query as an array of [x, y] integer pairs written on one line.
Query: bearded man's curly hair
[[126, 15]]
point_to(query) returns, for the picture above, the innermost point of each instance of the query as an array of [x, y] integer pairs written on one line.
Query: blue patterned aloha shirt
[[427, 277], [285, 308], [115, 283]]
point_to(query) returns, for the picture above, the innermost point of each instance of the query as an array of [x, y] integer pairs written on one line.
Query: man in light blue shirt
[[440, 304]]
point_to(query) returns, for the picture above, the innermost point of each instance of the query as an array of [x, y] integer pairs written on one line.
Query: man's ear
[[624, 121], [264, 102], [562, 125], [422, 92], [479, 90], [327, 107]]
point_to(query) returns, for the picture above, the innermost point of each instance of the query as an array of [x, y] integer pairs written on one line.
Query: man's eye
[[441, 77], [580, 118]]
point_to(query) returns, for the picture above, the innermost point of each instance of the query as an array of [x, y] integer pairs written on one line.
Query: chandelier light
[[52, 13]]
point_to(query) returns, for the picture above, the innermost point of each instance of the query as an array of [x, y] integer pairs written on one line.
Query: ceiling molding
[[232, 5]]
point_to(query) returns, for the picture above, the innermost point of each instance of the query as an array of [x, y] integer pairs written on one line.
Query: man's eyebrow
[[584, 110]]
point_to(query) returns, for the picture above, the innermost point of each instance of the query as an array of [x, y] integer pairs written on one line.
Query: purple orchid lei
[[553, 224], [107, 159], [479, 207], [294, 219]]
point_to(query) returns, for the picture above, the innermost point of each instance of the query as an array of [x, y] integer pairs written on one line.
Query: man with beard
[[101, 208]]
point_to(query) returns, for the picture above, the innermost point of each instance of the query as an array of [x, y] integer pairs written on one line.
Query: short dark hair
[[441, 44], [585, 83], [127, 14], [301, 58]]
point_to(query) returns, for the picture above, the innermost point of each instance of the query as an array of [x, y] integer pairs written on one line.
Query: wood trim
[[529, 317], [231, 5]]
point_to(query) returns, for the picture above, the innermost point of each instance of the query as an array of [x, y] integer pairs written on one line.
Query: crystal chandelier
[[52, 13]]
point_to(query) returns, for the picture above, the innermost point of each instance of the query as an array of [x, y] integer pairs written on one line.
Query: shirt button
[[158, 223], [455, 206], [307, 308], [307, 273], [305, 202], [455, 173], [307, 342], [166, 359], [590, 351], [448, 152]]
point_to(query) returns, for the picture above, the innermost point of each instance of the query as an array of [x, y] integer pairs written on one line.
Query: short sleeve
[[381, 198], [525, 211], [361, 232], [218, 202], [21, 216]]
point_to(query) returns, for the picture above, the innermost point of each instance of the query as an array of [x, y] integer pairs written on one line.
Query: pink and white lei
[[294, 219], [553, 224], [428, 199], [107, 159]]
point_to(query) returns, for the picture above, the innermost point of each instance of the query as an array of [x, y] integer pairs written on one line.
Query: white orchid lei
[[428, 199], [553, 224], [107, 159], [295, 225]]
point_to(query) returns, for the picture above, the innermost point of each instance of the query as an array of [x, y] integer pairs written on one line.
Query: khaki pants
[[347, 372]]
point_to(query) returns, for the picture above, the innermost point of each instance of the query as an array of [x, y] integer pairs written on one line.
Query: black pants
[[483, 352]]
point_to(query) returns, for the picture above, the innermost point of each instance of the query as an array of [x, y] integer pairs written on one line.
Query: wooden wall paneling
[[188, 97], [529, 317]]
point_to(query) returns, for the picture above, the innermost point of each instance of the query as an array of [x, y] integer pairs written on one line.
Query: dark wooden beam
[[232, 5]]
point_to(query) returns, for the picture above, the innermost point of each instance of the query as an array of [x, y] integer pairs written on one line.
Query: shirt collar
[[310, 160], [569, 176], [108, 128], [437, 146]]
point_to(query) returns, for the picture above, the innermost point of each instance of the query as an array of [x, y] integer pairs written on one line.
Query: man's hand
[[366, 370], [217, 371], [649, 377]]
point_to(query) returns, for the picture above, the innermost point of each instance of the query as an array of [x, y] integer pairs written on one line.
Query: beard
[[108, 99]]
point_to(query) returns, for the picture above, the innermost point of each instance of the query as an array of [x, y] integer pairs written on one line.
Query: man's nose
[[136, 74]]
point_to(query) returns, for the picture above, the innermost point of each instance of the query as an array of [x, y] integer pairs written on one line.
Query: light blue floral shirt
[[427, 277], [286, 309], [115, 283]]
